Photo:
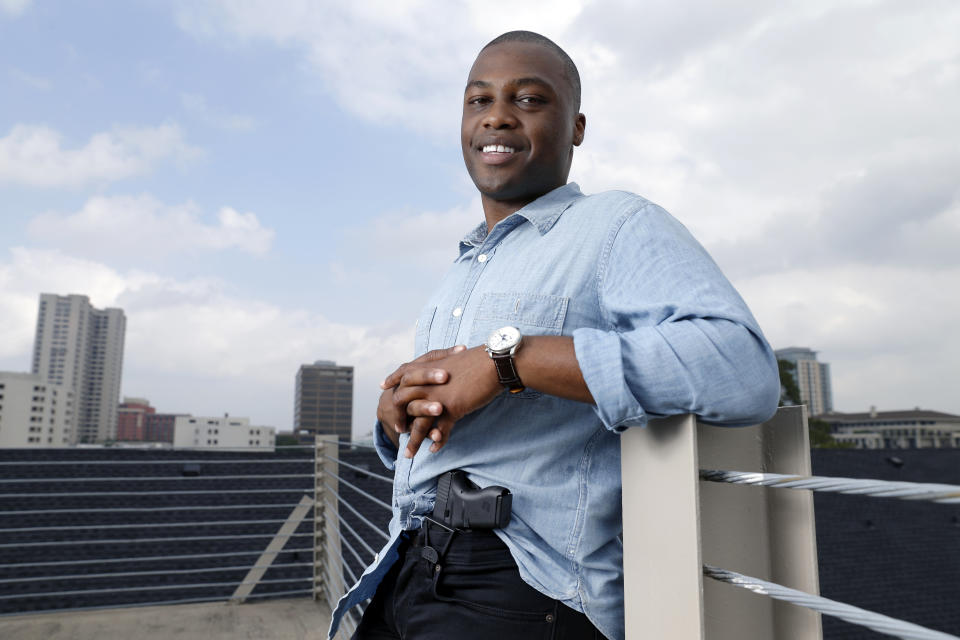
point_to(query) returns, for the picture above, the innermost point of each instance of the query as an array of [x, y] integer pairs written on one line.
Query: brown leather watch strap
[[507, 372]]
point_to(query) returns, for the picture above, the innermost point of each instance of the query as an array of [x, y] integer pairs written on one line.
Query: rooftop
[[287, 619]]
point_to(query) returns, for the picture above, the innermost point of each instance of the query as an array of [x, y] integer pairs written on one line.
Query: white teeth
[[497, 148]]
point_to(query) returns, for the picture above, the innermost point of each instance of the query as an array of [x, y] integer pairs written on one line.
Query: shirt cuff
[[601, 363], [385, 448]]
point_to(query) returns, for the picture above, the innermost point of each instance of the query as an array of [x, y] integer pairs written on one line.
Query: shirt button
[[457, 312], [482, 257]]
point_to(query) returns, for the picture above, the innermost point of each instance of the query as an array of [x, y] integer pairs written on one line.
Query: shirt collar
[[542, 213]]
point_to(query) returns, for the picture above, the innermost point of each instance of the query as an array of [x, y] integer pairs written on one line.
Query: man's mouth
[[495, 154]]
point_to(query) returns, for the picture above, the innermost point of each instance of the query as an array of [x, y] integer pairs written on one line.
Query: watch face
[[503, 339]]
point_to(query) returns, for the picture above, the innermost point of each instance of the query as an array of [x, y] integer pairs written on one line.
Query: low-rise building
[[137, 421], [34, 412], [193, 432], [132, 419], [911, 429]]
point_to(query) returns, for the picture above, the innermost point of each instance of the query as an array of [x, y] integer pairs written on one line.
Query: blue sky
[[263, 184]]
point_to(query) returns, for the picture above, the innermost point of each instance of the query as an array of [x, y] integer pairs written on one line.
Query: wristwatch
[[502, 345]]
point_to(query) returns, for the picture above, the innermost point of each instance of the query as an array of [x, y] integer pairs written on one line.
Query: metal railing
[[343, 547], [690, 514], [108, 533], [85, 529]]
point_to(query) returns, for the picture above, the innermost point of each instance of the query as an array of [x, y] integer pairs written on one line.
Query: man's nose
[[500, 116]]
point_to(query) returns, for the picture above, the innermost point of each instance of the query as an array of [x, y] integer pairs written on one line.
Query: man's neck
[[496, 210]]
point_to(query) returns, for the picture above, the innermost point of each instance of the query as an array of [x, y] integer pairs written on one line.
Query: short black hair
[[569, 68]]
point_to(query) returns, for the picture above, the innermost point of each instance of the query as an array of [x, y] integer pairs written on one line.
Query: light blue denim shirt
[[657, 329]]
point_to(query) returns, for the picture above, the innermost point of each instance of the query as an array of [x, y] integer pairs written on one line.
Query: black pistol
[[463, 505]]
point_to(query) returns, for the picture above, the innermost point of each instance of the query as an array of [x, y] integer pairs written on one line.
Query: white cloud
[[32, 155], [400, 62], [14, 7], [148, 228], [197, 105], [887, 331], [405, 254], [191, 346]]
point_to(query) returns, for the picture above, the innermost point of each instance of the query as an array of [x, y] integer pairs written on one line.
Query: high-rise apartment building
[[812, 377], [33, 412], [81, 348], [324, 401]]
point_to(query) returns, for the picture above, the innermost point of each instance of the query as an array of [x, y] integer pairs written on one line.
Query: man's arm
[[675, 338], [546, 363]]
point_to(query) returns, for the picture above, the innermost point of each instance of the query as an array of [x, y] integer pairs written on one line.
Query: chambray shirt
[[657, 330]]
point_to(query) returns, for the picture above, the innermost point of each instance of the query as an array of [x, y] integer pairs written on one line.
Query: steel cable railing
[[282, 505], [344, 501], [938, 493], [854, 615], [83, 545], [164, 572], [354, 467], [941, 493], [359, 515], [198, 556]]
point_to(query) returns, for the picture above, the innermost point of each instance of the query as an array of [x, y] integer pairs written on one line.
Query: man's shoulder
[[615, 205]]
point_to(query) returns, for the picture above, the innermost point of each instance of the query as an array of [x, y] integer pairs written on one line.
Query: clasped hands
[[426, 397]]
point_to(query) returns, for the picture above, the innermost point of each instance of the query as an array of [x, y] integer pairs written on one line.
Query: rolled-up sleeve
[[678, 338], [385, 449]]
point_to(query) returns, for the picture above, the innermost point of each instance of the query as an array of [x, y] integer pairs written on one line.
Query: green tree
[[789, 391], [821, 438], [286, 440]]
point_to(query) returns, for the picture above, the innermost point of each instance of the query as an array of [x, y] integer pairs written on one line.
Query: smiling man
[[564, 320]]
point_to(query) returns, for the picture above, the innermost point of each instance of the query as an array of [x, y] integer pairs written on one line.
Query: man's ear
[[579, 127]]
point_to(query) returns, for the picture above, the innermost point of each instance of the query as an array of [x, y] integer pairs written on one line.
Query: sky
[[263, 184]]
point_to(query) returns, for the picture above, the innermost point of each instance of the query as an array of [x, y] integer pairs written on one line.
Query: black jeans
[[474, 591]]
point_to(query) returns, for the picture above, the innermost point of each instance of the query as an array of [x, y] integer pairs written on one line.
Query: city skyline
[[268, 184]]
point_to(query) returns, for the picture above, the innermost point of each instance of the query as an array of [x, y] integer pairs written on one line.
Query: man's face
[[519, 125]]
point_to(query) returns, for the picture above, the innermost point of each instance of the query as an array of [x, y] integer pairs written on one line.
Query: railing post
[[328, 583], [763, 532], [661, 531], [673, 523]]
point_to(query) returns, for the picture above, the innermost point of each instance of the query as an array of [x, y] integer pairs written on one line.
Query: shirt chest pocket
[[532, 313]]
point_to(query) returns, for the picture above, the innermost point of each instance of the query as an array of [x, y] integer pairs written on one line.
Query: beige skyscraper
[[323, 400], [81, 348], [813, 378]]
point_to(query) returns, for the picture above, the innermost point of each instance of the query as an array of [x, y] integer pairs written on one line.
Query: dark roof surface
[[900, 558], [896, 557]]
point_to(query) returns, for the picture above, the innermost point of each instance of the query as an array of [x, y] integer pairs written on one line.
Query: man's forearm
[[549, 364]]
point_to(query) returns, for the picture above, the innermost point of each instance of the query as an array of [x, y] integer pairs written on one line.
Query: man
[[604, 313]]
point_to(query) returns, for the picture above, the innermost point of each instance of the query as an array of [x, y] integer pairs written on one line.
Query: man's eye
[[478, 100], [530, 100]]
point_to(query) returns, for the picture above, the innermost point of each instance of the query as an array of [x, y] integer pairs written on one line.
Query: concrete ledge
[[287, 619]]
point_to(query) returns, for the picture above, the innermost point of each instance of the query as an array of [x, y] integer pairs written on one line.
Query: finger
[[416, 377], [418, 408], [418, 431], [441, 428], [405, 395], [437, 354], [439, 438], [393, 379]]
